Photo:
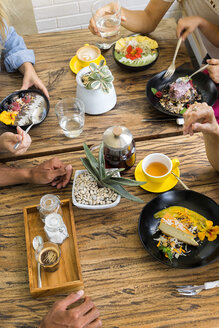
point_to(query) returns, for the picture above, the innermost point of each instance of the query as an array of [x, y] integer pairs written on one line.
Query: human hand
[[84, 315], [52, 171], [112, 7], [213, 69], [31, 78], [9, 139], [187, 25], [200, 118]]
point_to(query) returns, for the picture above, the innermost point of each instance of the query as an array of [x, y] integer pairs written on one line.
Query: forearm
[[137, 21], [212, 148], [11, 176], [145, 21], [26, 67], [211, 31]]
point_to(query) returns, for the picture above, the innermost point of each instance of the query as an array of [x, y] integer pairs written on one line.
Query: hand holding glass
[[70, 114], [107, 17]]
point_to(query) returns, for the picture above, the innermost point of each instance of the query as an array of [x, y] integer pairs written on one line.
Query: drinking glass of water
[[70, 113], [107, 16]]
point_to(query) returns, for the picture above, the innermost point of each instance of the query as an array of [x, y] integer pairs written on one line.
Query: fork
[[171, 69], [191, 290]]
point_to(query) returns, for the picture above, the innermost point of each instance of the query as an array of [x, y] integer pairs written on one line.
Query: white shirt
[[208, 9]]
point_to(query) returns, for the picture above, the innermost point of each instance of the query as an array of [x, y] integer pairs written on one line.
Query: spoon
[[182, 183], [35, 120], [185, 79], [105, 46], [37, 242]]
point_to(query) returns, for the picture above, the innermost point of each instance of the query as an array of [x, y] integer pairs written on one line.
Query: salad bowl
[[142, 61]]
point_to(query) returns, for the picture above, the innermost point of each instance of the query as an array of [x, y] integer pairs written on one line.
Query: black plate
[[202, 81], [9, 97], [134, 68], [199, 256]]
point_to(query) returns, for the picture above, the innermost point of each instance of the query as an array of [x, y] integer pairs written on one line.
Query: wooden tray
[[68, 277]]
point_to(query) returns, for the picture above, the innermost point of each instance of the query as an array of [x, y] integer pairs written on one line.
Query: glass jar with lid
[[55, 228], [49, 204], [119, 147]]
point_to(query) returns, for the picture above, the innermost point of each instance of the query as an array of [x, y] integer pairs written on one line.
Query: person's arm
[[187, 25], [9, 139], [15, 51], [145, 21], [84, 315], [200, 118], [52, 172], [140, 21], [18, 57]]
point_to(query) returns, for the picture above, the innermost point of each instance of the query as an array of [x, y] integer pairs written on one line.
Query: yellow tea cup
[[88, 54], [158, 167]]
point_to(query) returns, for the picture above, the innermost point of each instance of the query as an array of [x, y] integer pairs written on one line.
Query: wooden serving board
[[68, 277]]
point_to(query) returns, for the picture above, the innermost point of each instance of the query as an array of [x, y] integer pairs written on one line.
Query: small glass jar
[[55, 228], [49, 204], [119, 147], [48, 255]]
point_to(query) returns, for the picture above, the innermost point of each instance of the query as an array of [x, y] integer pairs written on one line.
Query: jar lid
[[117, 137], [49, 202], [53, 222]]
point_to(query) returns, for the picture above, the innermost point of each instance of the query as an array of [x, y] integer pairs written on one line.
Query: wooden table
[[53, 52], [130, 288]]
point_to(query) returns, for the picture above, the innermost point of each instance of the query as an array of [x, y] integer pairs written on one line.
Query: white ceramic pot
[[91, 207], [96, 101]]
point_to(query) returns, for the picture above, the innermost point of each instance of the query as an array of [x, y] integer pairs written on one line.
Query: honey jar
[[49, 204]]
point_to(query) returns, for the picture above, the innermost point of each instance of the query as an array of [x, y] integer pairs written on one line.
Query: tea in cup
[[49, 256], [88, 54], [158, 167]]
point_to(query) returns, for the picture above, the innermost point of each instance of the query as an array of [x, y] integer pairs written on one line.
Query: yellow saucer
[[168, 184], [75, 65]]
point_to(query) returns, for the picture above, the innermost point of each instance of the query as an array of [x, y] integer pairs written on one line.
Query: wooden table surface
[[130, 288], [53, 53]]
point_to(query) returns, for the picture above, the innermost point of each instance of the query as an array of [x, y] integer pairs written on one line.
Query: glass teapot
[[119, 147]]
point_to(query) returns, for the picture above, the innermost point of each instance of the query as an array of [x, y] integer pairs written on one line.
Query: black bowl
[[199, 256], [20, 93], [134, 68], [201, 81]]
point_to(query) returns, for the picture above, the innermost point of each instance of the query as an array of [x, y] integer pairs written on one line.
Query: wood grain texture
[[53, 52], [129, 287]]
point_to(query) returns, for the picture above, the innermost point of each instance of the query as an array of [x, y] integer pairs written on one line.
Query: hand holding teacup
[[158, 167]]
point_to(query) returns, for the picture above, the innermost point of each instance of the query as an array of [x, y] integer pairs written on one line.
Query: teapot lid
[[117, 137]]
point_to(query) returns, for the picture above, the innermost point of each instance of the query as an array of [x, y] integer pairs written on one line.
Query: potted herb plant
[[95, 88], [98, 187]]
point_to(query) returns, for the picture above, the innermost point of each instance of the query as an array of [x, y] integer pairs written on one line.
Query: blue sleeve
[[15, 51]]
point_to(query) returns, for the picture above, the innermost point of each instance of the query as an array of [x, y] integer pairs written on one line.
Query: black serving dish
[[204, 254], [201, 81], [21, 93], [134, 68]]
